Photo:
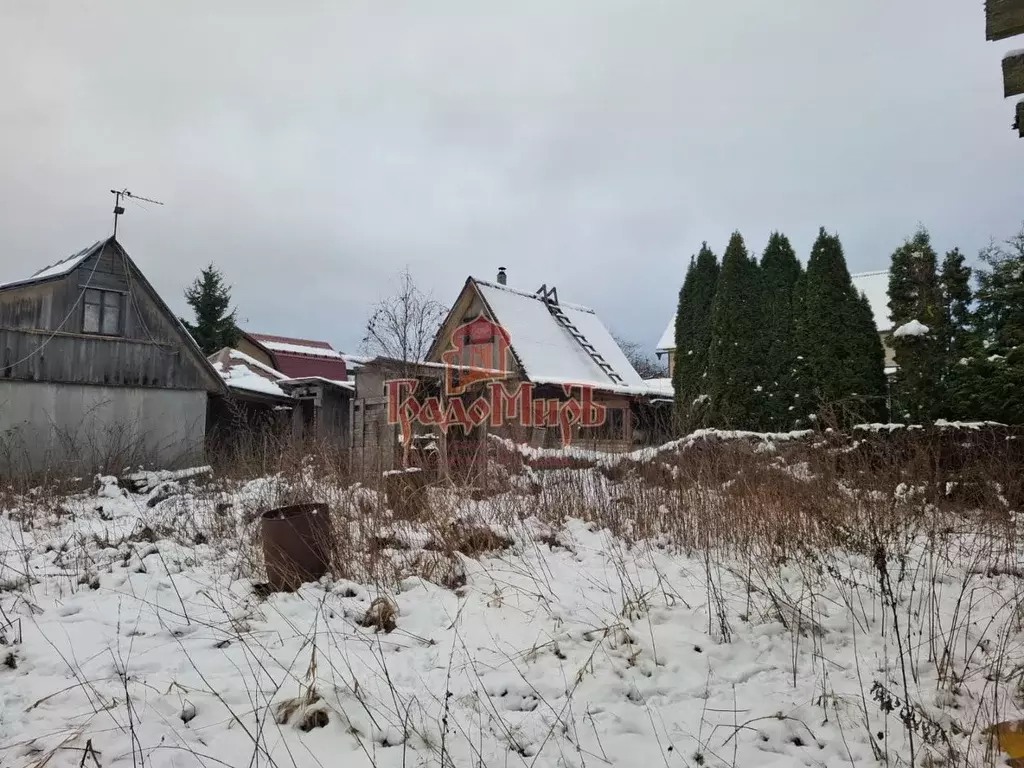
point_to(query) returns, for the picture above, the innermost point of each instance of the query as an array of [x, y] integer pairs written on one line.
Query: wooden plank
[[1013, 74], [1003, 18]]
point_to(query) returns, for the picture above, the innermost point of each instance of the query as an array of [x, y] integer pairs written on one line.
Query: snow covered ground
[[132, 635]]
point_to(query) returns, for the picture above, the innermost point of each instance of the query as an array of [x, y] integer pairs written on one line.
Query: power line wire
[[67, 317]]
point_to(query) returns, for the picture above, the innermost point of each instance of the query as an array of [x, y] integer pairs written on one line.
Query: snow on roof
[[355, 361], [547, 351], [668, 338], [913, 328], [875, 285], [317, 379], [297, 346], [240, 371], [661, 386], [61, 268]]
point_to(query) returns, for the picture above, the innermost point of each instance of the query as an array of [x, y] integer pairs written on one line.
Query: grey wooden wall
[[41, 336]]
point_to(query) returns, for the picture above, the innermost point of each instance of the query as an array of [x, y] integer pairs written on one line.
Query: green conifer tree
[[1000, 365], [915, 299], [841, 353], [734, 363], [802, 376], [780, 272], [210, 300], [958, 339], [868, 385], [693, 338]]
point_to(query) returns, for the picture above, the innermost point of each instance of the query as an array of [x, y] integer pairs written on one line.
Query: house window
[[102, 312]]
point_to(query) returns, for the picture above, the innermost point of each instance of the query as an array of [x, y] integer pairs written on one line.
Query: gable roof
[[874, 285], [242, 372], [60, 268], [301, 358], [65, 266], [545, 349], [668, 337]]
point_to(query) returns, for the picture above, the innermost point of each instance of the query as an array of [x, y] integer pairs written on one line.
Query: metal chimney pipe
[[502, 277]]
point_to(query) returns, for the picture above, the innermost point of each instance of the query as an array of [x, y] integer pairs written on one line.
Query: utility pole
[[119, 209]]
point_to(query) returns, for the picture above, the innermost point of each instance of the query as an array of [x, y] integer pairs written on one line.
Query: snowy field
[[132, 636]]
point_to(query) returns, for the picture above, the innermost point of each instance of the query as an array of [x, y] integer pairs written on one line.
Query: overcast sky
[[312, 150]]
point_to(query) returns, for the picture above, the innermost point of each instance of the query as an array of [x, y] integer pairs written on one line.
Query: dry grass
[[867, 516]]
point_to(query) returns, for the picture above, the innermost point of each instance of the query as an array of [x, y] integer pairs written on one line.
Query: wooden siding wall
[[1013, 75], [257, 353], [41, 335]]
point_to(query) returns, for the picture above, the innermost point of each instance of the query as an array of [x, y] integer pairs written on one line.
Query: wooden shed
[[96, 372]]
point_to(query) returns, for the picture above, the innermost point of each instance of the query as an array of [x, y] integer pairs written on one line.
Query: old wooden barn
[[96, 371]]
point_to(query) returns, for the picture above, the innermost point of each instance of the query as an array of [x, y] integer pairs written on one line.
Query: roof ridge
[[287, 339], [528, 295]]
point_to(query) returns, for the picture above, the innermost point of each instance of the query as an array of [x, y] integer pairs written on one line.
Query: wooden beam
[[1019, 125], [1013, 74], [1003, 18]]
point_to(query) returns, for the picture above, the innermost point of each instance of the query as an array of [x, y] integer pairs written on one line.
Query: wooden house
[[96, 371], [561, 353], [315, 376]]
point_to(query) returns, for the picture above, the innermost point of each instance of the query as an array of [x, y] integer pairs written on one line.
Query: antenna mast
[[119, 209]]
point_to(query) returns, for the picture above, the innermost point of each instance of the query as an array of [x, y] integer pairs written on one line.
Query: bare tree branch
[[403, 325], [643, 363]]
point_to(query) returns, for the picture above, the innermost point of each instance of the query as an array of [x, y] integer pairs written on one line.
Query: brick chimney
[[502, 277]]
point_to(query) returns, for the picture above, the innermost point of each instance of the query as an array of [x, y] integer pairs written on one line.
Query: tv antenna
[[119, 209]]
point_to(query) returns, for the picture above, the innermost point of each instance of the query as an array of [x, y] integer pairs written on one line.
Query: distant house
[[875, 285], [315, 376], [494, 332], [295, 358], [257, 407], [96, 371]]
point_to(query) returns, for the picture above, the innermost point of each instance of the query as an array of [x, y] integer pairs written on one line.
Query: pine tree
[[210, 300], [780, 272], [734, 363], [915, 295], [693, 338], [841, 340]]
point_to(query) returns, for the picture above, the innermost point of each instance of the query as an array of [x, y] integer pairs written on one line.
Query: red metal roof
[[297, 358]]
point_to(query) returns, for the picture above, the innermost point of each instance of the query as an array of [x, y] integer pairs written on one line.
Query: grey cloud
[[313, 150]]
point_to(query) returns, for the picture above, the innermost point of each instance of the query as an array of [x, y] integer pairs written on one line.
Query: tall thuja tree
[[840, 355], [1000, 300], [802, 374], [734, 361], [780, 272], [866, 363], [915, 300], [210, 299], [693, 338], [959, 340]]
